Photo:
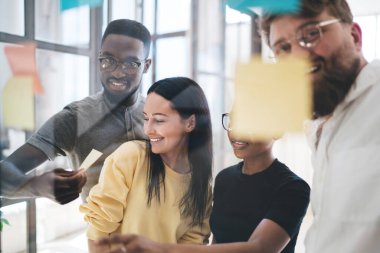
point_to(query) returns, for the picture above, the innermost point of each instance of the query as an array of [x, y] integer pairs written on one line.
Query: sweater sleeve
[[199, 234], [104, 210]]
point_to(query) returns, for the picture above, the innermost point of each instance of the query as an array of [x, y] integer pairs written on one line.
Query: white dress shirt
[[345, 196]]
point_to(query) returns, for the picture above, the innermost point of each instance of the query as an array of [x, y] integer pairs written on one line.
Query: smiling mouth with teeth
[[118, 83], [117, 86]]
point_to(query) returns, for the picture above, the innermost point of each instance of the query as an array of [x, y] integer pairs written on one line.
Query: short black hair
[[129, 28]]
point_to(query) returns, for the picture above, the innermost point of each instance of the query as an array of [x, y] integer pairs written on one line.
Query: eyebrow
[[134, 58], [157, 114]]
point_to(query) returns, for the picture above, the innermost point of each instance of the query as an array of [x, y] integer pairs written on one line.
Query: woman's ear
[[190, 123]]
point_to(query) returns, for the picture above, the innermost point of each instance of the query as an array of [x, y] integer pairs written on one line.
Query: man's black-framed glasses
[[109, 64], [307, 37], [226, 121]]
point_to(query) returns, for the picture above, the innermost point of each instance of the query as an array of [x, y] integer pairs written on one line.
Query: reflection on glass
[[172, 57], [173, 16], [70, 27], [12, 17], [65, 78]]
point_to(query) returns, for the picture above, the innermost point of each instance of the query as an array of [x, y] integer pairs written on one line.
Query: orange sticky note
[[18, 103], [22, 60], [271, 99]]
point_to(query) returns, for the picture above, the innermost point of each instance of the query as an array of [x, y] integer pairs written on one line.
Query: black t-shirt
[[242, 201]]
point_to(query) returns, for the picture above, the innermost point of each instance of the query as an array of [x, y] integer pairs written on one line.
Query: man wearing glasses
[[345, 139], [102, 121]]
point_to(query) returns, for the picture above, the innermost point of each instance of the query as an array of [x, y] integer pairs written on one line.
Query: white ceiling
[[364, 7]]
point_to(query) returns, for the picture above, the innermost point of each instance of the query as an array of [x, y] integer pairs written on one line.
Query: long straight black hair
[[187, 98]]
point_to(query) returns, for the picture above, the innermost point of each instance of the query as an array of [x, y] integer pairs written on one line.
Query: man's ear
[[147, 64], [356, 33], [190, 123]]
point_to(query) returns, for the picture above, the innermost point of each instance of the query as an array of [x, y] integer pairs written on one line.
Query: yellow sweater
[[118, 203]]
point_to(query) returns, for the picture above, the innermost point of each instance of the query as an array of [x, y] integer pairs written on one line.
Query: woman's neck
[[178, 162]]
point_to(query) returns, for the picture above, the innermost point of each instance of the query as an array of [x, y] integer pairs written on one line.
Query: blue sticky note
[[272, 6], [69, 4]]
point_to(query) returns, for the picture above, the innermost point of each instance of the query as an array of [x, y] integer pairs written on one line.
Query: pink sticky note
[[22, 60]]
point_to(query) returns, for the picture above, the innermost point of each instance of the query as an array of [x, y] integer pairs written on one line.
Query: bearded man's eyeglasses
[[307, 37]]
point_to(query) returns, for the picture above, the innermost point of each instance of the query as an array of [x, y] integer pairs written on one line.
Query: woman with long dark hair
[[160, 188]]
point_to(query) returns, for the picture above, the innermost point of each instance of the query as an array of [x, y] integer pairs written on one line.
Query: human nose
[[120, 71], [148, 127]]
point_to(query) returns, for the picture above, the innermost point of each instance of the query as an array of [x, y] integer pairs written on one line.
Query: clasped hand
[[59, 185]]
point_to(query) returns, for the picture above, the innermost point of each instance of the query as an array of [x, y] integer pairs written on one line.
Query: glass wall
[[69, 27], [8, 10], [66, 44]]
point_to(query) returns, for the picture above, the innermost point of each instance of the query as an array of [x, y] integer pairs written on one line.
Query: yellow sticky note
[[90, 159], [271, 99], [18, 103]]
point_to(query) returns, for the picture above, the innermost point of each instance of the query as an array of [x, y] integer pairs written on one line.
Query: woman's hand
[[132, 244]]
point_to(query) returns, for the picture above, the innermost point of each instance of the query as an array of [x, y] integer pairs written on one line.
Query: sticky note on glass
[[18, 103], [22, 60], [69, 4], [90, 159], [271, 99], [273, 6]]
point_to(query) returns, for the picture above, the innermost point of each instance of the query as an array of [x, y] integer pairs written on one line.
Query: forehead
[[123, 46], [284, 27], [157, 104]]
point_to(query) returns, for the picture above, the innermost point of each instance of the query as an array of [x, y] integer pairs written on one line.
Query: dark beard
[[333, 87]]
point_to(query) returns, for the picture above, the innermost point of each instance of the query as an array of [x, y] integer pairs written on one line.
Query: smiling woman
[[159, 189]]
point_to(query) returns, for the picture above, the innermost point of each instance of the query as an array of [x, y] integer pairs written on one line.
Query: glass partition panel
[[65, 78], [13, 236], [70, 27], [378, 37], [123, 9], [148, 17], [60, 228], [172, 57], [12, 17], [214, 92], [173, 16]]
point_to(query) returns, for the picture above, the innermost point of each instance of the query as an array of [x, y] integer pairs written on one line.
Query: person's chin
[[116, 97]]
